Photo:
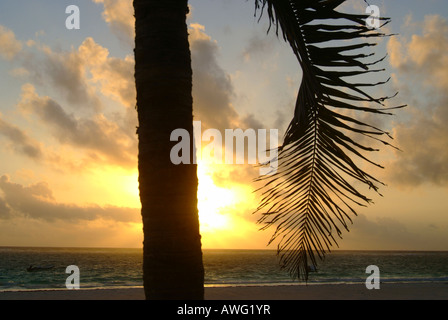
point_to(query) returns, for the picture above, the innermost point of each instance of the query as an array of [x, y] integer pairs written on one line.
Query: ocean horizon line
[[107, 267], [223, 249]]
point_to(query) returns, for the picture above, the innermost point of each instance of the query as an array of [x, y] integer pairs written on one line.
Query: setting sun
[[212, 202], [225, 208]]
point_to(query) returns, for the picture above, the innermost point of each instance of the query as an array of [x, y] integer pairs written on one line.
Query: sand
[[387, 291]]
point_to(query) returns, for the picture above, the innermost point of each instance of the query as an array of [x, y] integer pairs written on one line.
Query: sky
[[68, 144]]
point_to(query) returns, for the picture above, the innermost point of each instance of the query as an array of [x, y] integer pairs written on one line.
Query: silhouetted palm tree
[[310, 196], [172, 259]]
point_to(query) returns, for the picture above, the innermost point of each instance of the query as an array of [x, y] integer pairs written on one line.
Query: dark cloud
[[250, 121], [213, 90], [212, 87], [97, 135], [19, 140], [64, 71]]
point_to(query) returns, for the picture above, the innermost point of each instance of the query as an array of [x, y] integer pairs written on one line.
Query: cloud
[[212, 86], [257, 46], [5, 212], [96, 134], [386, 233], [213, 94], [64, 71], [114, 75], [37, 202], [19, 140], [424, 54], [421, 65], [119, 14], [213, 90], [355, 6], [22, 231], [81, 75], [9, 45]]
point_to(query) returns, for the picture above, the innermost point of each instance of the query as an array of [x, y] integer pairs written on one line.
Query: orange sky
[[67, 125]]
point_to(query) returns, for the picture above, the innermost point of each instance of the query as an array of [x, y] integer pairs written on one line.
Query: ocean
[[119, 268]]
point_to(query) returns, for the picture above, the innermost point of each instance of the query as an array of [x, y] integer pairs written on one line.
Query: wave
[[111, 268]]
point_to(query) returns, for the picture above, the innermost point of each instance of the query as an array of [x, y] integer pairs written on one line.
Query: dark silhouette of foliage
[[310, 198]]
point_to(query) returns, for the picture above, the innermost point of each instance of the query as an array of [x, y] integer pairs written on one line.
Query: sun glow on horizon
[[225, 208], [212, 201]]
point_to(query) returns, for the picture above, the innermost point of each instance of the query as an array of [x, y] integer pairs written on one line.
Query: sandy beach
[[388, 291]]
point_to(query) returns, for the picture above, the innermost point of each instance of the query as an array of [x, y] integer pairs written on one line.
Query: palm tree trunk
[[172, 258]]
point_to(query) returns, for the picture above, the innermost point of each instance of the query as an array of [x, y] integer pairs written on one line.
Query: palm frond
[[311, 197]]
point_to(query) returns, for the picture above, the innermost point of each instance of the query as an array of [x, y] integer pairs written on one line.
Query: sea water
[[118, 268]]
